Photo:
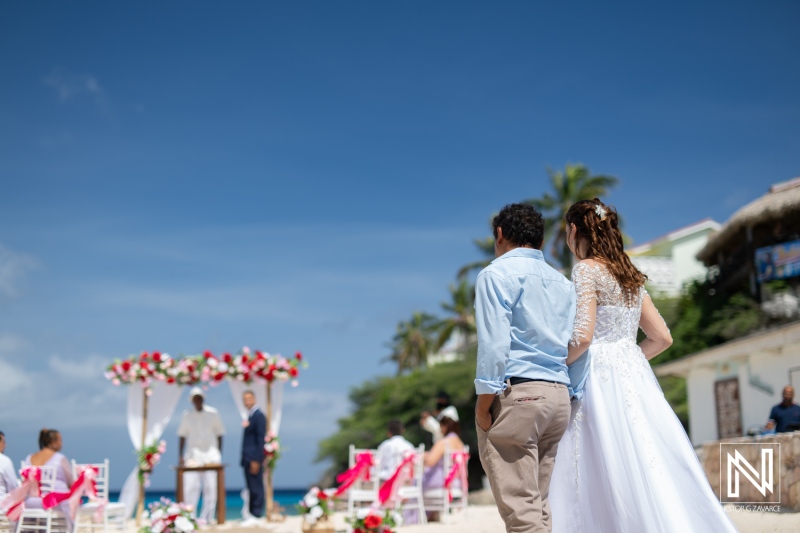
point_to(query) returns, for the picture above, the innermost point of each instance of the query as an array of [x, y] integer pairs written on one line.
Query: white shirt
[[201, 429], [390, 455], [8, 476], [431, 425]]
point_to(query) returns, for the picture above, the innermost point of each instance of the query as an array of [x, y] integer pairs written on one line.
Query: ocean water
[[286, 498]]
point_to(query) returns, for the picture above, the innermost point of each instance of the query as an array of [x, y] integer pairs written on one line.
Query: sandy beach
[[484, 519]]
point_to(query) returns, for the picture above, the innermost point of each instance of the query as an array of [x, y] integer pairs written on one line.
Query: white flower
[[223, 366], [157, 514], [310, 500], [158, 526], [183, 524], [316, 511], [173, 509], [310, 519], [363, 512]]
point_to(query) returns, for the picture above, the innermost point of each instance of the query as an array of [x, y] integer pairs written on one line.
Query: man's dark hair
[[443, 399], [522, 225], [395, 427], [2, 436]]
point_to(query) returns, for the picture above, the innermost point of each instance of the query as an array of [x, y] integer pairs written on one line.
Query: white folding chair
[[113, 514], [439, 499], [362, 492], [38, 520], [409, 496]]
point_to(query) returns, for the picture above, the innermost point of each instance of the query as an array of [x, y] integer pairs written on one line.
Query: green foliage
[[405, 397], [571, 185], [413, 342], [699, 319], [462, 315]]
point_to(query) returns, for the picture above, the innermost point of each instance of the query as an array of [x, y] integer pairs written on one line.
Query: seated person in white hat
[[200, 433]]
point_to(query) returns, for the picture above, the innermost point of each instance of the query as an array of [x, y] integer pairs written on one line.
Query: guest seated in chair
[[49, 454], [434, 475], [8, 476], [392, 451]]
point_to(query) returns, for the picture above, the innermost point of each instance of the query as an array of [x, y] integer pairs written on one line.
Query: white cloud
[[13, 267], [68, 85]]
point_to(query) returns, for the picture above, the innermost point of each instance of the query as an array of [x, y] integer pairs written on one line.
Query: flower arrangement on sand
[[373, 521], [316, 506], [166, 516]]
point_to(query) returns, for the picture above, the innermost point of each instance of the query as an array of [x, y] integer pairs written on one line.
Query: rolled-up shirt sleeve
[[493, 321]]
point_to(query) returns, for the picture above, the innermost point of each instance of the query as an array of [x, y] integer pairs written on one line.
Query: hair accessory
[[600, 211]]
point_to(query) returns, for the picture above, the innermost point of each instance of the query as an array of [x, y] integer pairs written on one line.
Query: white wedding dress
[[625, 464]]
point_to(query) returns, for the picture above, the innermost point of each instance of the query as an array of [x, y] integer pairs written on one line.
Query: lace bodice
[[617, 314]]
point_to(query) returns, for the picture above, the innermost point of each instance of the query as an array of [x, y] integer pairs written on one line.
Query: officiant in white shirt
[[200, 444], [8, 476], [392, 451]]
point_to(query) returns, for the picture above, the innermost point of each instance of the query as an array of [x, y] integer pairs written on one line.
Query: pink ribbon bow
[[403, 473], [459, 466], [360, 469], [14, 502], [85, 485]]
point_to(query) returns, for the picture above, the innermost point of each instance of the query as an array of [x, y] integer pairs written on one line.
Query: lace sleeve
[[586, 292], [654, 327]]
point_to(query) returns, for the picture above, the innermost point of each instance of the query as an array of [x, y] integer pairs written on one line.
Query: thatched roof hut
[[780, 205]]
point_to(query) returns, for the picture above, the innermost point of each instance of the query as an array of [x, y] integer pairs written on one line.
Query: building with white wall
[[670, 260], [732, 387]]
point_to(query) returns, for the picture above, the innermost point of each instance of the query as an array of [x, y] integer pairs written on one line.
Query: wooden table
[[220, 469]]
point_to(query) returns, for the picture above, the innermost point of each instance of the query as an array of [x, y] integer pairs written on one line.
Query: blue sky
[[301, 176]]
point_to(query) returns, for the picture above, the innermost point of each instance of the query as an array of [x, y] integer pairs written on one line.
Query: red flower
[[298, 356], [157, 357], [372, 521], [359, 530], [293, 372], [220, 376], [227, 358], [321, 495], [126, 366], [246, 376], [272, 368], [270, 376], [244, 358], [143, 365], [208, 355], [170, 380], [143, 356], [259, 355]]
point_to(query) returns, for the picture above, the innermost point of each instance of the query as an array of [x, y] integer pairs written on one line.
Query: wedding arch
[[159, 378]]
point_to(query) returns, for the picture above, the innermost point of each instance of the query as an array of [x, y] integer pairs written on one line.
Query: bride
[[624, 463]]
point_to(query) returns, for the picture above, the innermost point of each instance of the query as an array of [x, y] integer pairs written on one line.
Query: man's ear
[[499, 237]]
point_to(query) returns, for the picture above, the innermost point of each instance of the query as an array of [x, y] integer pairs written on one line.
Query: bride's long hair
[[597, 225]]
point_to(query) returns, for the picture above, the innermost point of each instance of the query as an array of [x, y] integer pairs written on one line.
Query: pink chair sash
[[403, 473], [31, 487], [364, 462], [14, 502], [459, 466]]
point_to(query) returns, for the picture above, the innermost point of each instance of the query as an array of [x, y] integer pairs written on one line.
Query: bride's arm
[[658, 336], [586, 312]]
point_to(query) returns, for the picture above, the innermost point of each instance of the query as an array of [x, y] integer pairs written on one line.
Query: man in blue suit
[[253, 453]]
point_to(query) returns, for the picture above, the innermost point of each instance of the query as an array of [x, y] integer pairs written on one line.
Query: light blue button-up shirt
[[524, 310]]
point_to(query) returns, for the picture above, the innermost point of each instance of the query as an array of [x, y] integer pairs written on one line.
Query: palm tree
[[573, 184], [486, 247], [413, 342], [462, 319]]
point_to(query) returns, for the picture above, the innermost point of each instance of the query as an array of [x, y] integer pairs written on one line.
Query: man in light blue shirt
[[524, 311]]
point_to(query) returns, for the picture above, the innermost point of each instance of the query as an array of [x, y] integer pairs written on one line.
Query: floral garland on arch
[[272, 450], [246, 366], [149, 457], [167, 516]]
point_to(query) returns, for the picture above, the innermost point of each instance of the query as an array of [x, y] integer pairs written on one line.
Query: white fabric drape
[[260, 390], [161, 406]]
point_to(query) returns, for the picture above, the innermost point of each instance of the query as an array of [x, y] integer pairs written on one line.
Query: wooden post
[[140, 506], [268, 471]]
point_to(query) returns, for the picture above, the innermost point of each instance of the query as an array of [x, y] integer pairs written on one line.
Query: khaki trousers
[[519, 451]]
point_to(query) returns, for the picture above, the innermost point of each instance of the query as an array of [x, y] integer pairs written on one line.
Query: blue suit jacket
[[253, 440]]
